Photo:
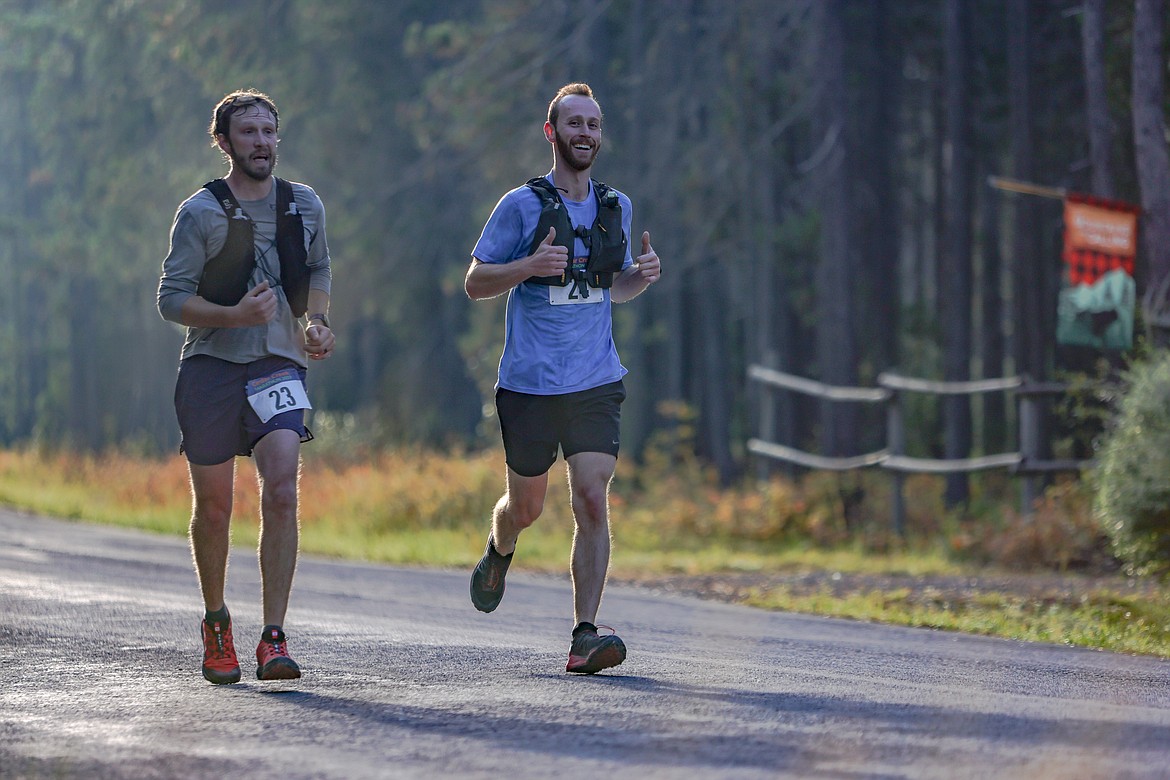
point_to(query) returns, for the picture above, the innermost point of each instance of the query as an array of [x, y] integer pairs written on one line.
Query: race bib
[[280, 392], [575, 292]]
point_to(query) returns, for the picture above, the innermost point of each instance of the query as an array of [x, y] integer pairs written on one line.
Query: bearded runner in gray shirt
[[241, 382]]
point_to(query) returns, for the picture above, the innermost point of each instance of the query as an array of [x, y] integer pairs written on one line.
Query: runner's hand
[[647, 264], [319, 341], [258, 306], [549, 259]]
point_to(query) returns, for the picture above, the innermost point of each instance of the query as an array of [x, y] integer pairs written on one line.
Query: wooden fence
[[1026, 463]]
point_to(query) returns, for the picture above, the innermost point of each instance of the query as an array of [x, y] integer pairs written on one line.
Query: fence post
[[1029, 447], [896, 445]]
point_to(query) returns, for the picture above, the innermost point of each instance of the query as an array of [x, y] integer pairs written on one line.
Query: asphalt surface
[[100, 656]]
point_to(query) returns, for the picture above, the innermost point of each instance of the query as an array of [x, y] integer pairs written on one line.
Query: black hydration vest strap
[[605, 238], [290, 246], [608, 246], [227, 275], [552, 214]]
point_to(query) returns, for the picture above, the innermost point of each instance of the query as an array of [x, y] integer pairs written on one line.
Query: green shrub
[[1133, 486]]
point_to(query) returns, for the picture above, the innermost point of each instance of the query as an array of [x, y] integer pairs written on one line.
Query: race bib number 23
[[280, 392]]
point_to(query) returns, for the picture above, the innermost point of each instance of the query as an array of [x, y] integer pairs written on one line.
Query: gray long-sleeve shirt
[[198, 234]]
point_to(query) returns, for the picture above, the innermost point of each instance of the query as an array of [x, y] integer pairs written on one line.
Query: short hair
[[234, 103], [579, 88]]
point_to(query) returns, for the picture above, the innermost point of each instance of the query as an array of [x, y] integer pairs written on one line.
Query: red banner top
[[1100, 229], [1105, 203]]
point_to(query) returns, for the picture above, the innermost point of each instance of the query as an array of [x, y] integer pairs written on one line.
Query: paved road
[[99, 678]]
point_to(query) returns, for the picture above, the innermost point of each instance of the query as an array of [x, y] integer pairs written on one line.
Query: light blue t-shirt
[[554, 343]]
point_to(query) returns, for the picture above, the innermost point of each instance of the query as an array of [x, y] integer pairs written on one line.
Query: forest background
[[812, 173]]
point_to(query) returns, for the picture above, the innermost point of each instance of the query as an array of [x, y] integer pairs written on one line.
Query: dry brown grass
[[363, 507]]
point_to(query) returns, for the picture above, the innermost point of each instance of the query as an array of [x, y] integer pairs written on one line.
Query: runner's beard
[[245, 165], [569, 154]]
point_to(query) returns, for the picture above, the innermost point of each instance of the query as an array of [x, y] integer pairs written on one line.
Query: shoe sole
[[487, 606], [483, 599], [610, 655], [221, 678], [279, 669]]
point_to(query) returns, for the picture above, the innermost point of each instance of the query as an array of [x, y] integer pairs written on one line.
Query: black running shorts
[[534, 426]]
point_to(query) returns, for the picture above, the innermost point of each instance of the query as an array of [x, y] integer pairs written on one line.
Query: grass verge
[[1105, 618]]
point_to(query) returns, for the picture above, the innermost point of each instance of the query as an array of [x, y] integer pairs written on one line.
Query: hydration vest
[[226, 276], [605, 240]]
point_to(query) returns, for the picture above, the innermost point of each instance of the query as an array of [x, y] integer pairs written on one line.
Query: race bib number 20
[[280, 392]]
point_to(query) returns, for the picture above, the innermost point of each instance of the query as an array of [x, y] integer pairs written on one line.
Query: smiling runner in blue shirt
[[559, 247]]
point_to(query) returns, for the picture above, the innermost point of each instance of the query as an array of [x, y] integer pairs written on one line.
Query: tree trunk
[[835, 277], [768, 305], [1028, 331], [669, 297], [633, 324], [876, 148], [714, 390], [956, 254], [24, 376], [1153, 163], [995, 418], [712, 356], [1097, 98], [83, 399]]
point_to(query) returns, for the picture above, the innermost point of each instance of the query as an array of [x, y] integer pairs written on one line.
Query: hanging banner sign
[[1097, 238], [1097, 300]]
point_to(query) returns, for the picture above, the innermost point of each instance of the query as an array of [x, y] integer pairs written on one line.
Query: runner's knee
[[590, 505]]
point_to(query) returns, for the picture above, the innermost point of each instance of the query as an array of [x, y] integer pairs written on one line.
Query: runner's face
[[251, 142], [578, 132]]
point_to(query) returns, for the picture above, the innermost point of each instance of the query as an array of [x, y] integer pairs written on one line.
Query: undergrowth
[[669, 516], [669, 506]]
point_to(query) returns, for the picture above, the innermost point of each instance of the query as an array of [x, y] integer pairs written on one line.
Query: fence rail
[[1025, 463], [819, 389]]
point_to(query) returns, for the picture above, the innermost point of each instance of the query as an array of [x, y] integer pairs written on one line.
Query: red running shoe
[[272, 658], [219, 653], [591, 653]]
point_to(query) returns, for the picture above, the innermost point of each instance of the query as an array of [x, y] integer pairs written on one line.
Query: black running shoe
[[591, 653], [487, 580]]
